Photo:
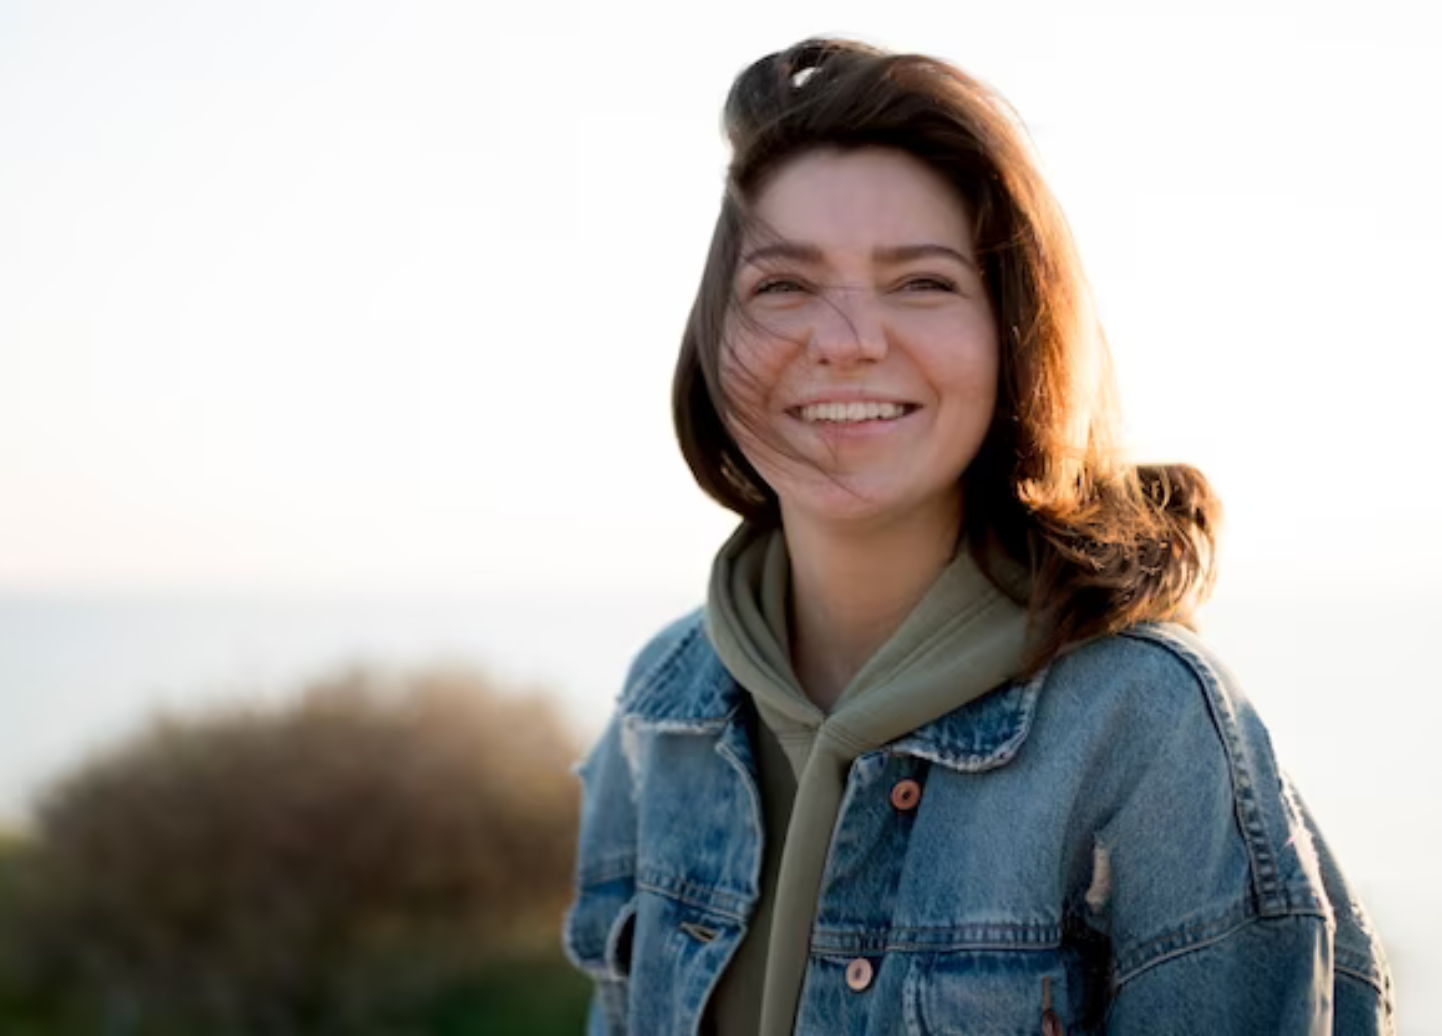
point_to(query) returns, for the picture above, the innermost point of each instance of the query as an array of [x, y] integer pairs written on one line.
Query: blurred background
[[337, 484]]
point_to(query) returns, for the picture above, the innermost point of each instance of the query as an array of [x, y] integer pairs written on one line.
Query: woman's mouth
[[851, 413]]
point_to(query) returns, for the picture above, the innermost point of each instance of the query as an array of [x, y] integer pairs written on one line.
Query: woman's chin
[[858, 506]]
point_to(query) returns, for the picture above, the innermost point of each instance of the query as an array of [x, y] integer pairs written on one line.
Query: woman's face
[[862, 364]]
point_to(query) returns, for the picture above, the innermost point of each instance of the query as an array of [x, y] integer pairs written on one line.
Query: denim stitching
[[1367, 979], [1249, 815], [1190, 938], [925, 742], [753, 794], [911, 1001], [731, 905], [661, 670], [953, 938]]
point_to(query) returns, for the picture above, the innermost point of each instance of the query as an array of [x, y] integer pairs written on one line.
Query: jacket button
[[906, 795], [858, 974]]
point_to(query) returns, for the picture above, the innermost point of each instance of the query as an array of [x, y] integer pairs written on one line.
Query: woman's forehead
[[868, 201]]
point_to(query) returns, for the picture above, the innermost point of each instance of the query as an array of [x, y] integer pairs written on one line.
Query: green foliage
[[540, 996], [379, 856]]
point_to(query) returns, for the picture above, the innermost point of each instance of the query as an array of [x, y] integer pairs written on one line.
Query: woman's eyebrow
[[896, 254], [796, 250], [885, 255]]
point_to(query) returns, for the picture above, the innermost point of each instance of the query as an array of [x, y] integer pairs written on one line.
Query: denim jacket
[[1107, 847]]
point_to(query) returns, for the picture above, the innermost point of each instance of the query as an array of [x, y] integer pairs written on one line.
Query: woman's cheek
[[751, 373]]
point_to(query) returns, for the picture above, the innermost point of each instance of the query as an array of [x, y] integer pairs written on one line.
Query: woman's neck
[[852, 588]]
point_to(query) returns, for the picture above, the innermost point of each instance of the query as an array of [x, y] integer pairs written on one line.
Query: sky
[[368, 296], [381, 300]]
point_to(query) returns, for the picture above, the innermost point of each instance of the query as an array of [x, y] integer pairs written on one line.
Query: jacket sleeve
[[1273, 975], [600, 919], [605, 885], [1361, 979], [1227, 912]]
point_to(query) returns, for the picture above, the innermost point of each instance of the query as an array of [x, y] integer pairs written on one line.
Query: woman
[[939, 755]]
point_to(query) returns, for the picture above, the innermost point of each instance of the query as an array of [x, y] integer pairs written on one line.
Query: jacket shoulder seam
[[681, 634], [1222, 710]]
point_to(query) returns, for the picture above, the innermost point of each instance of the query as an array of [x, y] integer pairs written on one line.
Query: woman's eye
[[929, 284], [779, 286]]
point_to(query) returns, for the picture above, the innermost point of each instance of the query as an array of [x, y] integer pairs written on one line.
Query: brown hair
[[1106, 543]]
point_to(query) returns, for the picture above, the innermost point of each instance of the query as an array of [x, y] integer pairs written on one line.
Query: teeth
[[851, 412]]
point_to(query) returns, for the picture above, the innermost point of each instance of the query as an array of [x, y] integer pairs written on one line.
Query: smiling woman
[[866, 347], [940, 753], [861, 376]]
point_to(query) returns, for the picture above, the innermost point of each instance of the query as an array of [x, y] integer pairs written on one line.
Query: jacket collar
[[688, 690]]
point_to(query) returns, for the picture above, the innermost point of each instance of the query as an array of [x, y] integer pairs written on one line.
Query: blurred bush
[[331, 865]]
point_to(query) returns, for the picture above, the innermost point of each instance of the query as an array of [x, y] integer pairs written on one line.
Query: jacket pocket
[[620, 941], [988, 993], [679, 951]]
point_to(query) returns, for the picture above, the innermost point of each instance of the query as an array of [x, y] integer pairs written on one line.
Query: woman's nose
[[848, 328]]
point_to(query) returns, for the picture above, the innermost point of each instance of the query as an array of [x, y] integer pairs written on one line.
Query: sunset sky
[[380, 295]]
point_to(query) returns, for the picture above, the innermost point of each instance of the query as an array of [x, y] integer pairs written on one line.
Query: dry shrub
[[309, 866]]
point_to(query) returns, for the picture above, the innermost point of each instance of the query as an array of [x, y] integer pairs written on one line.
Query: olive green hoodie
[[963, 639]]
